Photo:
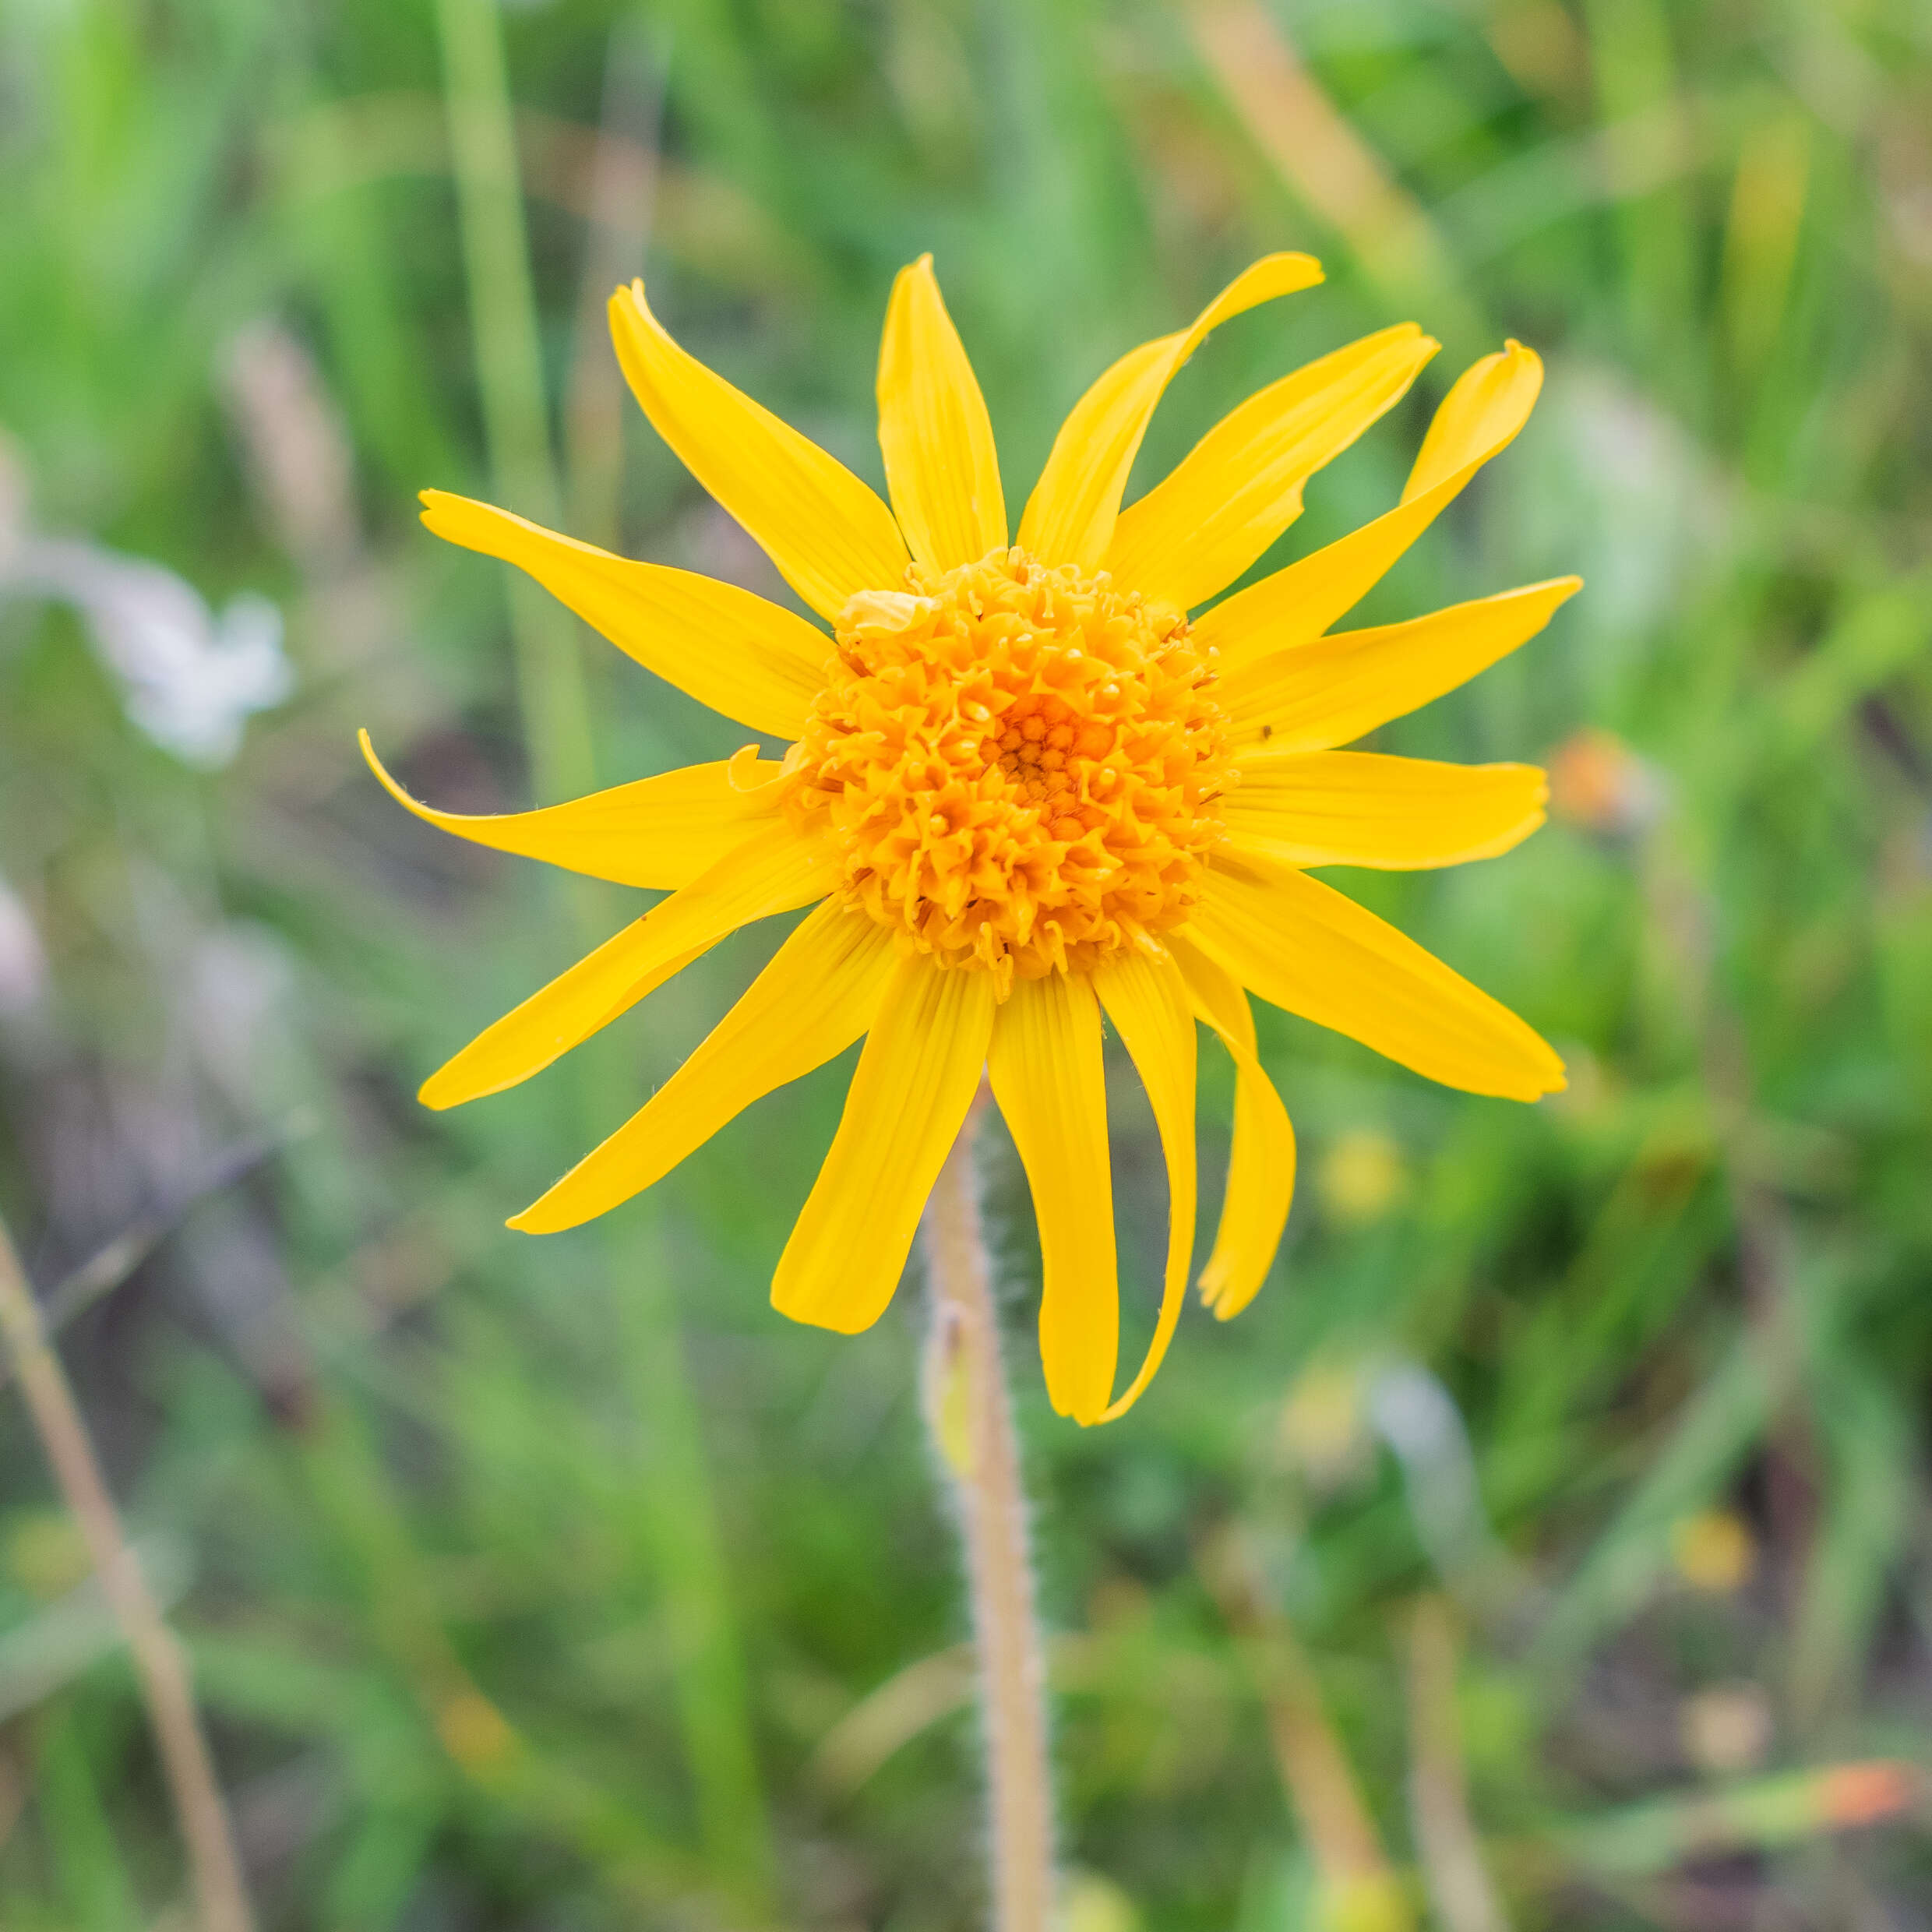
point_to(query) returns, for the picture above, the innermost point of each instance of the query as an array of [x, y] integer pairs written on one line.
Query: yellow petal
[[817, 996], [1262, 1159], [1358, 807], [1332, 690], [916, 1078], [941, 467], [658, 832], [1047, 1077], [737, 652], [1069, 517], [1479, 417], [774, 871], [1241, 485], [1303, 945], [828, 533], [1146, 998]]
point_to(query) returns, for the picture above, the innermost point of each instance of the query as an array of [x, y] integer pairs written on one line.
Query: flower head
[[1031, 780], [1014, 766]]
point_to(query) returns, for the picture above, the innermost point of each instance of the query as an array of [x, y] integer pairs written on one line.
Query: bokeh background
[[1563, 1498]]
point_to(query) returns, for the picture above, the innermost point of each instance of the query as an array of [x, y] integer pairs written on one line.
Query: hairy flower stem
[[967, 1410], [221, 1899]]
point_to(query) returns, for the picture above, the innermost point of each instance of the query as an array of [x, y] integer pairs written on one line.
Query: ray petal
[[1358, 808], [916, 1078], [1047, 1077], [1332, 690], [1069, 517], [738, 652], [827, 532], [1262, 1159], [941, 467], [1479, 417], [1146, 998], [1305, 947], [659, 832], [1241, 485], [773, 872], [817, 996]]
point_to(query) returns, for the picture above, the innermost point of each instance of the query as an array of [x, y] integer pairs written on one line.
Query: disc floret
[[1016, 767]]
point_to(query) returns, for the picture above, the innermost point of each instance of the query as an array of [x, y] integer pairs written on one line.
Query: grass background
[[540, 1585]]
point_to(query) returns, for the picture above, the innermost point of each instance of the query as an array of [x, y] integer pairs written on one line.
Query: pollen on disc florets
[[1017, 767]]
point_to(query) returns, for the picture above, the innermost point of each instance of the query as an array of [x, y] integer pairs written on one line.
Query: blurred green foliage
[[540, 1585]]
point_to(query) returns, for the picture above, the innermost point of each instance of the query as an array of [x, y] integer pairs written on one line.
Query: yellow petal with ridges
[[817, 996], [1358, 808], [1047, 1077], [775, 871], [738, 652], [1241, 485], [659, 832], [1303, 946], [1334, 689], [1069, 517], [942, 470], [1146, 998], [827, 532], [1478, 418], [916, 1078], [1261, 1187]]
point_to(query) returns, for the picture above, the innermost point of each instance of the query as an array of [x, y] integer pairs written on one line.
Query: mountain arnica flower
[[1025, 787]]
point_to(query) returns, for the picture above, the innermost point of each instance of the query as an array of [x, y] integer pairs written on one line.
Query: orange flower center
[[1016, 767]]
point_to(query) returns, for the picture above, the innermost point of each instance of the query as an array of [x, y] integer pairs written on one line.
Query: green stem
[[678, 1515], [220, 1896], [509, 377]]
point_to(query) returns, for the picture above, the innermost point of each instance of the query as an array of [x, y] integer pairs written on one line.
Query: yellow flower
[[1023, 788]]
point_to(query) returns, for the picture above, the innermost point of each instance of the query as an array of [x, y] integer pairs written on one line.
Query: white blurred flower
[[1417, 1417], [190, 678]]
